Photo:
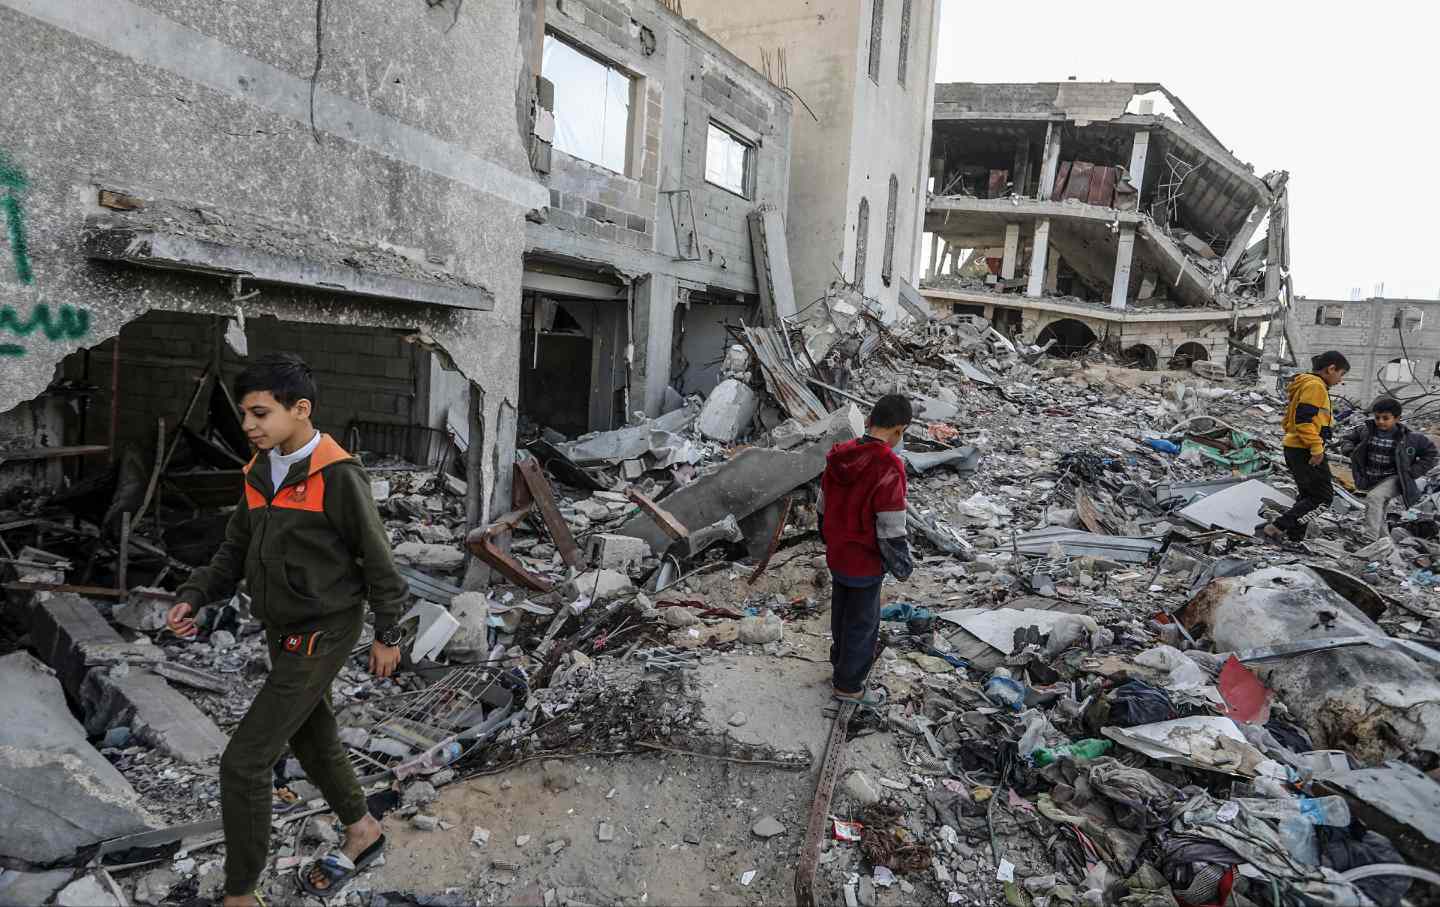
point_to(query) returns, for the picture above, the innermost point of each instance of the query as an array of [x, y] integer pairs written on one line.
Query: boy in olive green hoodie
[[308, 540]]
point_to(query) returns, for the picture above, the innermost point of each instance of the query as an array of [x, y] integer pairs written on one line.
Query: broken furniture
[[531, 489]]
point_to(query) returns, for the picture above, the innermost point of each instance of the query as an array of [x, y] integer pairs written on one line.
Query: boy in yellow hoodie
[[1307, 429]]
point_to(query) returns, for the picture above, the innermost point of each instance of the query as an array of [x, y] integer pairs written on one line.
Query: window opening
[[904, 40], [862, 242], [592, 105], [728, 161], [887, 263]]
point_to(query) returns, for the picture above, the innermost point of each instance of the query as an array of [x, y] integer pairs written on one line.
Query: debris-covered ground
[[1102, 688]]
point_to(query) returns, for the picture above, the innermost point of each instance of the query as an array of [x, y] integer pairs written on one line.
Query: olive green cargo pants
[[292, 709]]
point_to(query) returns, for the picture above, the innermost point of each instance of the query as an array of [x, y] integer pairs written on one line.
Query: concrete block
[[616, 552], [471, 641], [442, 558], [73, 638], [25, 889], [728, 411], [158, 715], [601, 585], [56, 792], [751, 479]]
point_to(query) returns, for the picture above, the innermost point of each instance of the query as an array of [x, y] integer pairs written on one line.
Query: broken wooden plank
[[544, 501], [662, 517], [481, 543]]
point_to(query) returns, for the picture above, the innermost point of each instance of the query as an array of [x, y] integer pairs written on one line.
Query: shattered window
[[904, 39], [1328, 315], [887, 264], [727, 161], [877, 22], [592, 105]]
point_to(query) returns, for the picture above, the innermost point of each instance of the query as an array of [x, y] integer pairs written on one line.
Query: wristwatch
[[391, 636]]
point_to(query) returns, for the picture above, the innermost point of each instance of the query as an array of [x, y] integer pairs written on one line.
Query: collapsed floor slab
[[1375, 703], [752, 479], [57, 792], [85, 651]]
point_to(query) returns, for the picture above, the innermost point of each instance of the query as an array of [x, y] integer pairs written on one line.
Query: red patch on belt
[[292, 643]]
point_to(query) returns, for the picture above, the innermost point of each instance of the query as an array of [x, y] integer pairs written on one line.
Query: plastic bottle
[[1298, 836], [438, 757], [1163, 445], [1333, 811], [1080, 749]]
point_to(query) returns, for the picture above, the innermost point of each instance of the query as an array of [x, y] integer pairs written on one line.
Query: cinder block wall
[[362, 373]]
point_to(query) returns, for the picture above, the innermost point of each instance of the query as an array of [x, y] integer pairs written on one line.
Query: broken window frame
[[900, 68], [862, 242], [746, 188], [617, 96], [1324, 313], [887, 262], [877, 27]]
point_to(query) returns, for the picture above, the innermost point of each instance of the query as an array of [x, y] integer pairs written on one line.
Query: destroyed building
[[1393, 344], [1102, 213], [863, 78], [659, 148]]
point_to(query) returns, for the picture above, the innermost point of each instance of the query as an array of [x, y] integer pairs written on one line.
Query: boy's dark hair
[[1333, 357], [284, 375], [890, 411], [1387, 405]]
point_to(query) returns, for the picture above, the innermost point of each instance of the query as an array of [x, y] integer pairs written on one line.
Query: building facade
[[1393, 344], [656, 145], [1101, 213], [863, 75]]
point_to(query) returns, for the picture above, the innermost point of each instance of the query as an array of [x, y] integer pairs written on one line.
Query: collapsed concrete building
[[1086, 212], [1393, 344]]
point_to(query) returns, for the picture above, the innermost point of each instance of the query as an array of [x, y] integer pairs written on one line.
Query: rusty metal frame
[[533, 480], [481, 542], [662, 517], [820, 812]]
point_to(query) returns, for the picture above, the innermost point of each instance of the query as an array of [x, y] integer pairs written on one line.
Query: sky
[[1340, 95]]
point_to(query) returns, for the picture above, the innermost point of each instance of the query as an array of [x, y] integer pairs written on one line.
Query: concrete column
[[1138, 152], [1121, 287], [934, 254], [1039, 257], [1052, 274], [655, 298], [1012, 251], [1050, 163]]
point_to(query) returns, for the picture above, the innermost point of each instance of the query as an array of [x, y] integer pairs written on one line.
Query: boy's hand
[[180, 622], [1317, 459], [383, 659]]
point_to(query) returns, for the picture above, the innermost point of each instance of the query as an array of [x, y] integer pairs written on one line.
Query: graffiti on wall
[[66, 323], [12, 184]]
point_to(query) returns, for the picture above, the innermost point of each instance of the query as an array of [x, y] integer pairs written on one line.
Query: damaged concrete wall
[[405, 149], [862, 131], [660, 222], [1369, 334]]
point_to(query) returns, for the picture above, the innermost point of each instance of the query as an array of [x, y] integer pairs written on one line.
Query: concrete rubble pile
[[1101, 688]]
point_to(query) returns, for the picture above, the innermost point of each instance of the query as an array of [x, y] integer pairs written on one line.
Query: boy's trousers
[[1376, 499], [854, 627], [292, 709], [1316, 491]]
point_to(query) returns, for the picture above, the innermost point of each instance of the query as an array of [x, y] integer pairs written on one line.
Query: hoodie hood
[[860, 460], [1305, 378]]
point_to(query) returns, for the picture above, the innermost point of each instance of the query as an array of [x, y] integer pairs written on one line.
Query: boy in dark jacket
[[862, 511], [1386, 458], [1308, 417], [309, 542]]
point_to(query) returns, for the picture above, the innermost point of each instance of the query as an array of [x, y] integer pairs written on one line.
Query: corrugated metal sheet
[[786, 386]]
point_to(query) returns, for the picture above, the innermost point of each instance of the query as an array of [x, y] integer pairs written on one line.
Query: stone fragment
[[480, 836], [558, 776], [157, 714], [767, 827], [24, 889], [861, 789], [601, 585], [90, 891], [155, 886], [141, 611], [321, 830], [422, 556], [594, 510], [221, 640], [757, 631], [471, 641], [555, 846], [738, 719], [728, 411], [435, 533], [616, 552], [57, 793], [605, 832], [423, 822], [419, 793], [678, 616]]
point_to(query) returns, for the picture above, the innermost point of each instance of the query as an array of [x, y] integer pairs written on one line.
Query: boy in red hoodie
[[862, 520]]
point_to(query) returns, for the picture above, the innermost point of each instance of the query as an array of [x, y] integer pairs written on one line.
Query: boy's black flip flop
[[337, 869]]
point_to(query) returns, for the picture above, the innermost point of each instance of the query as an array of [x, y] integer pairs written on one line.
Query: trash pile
[[1103, 687]]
